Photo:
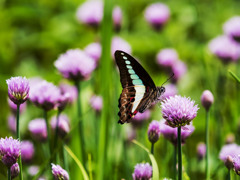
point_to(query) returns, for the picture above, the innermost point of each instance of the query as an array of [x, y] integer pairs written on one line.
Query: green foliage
[[83, 171], [34, 33]]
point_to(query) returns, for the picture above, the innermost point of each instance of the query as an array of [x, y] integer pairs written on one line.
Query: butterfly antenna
[[168, 79]]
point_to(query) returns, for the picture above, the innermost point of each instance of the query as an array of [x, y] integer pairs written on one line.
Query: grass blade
[[153, 161], [84, 173], [234, 76]]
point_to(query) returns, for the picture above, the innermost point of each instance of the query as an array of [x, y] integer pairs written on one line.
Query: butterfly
[[139, 91]]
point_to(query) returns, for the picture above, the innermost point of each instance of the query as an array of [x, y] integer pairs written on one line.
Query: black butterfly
[[139, 90]]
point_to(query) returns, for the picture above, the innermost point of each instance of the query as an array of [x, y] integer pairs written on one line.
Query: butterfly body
[[139, 91]]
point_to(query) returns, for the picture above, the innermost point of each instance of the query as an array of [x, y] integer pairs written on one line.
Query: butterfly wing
[[138, 87], [130, 69]]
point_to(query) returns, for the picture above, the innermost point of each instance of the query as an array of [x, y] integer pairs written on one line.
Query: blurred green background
[[34, 33]]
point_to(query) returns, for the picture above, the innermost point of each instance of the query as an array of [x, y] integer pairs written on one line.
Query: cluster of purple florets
[[77, 65], [227, 47]]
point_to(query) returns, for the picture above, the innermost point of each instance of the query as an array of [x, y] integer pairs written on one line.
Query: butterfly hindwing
[[129, 102], [138, 87]]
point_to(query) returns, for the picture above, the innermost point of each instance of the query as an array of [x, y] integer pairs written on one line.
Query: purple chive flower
[[167, 57], [171, 90], [236, 164], [27, 151], [170, 133], [178, 111], [142, 171], [157, 14], [75, 65], [45, 95], [59, 173], [15, 170], [63, 124], [140, 118], [9, 151], [96, 103], [153, 131], [232, 28], [225, 49], [18, 89], [94, 50], [90, 13], [13, 106], [120, 44], [179, 68], [117, 18], [70, 90], [207, 99], [12, 123], [201, 150], [38, 129], [227, 153]]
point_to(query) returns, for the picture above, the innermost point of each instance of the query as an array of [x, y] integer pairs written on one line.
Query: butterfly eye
[[162, 90]]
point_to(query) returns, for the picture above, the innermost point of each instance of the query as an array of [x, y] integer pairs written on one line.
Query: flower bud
[[207, 99], [15, 170], [154, 131]]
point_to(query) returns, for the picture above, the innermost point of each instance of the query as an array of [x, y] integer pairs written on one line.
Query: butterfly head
[[160, 91]]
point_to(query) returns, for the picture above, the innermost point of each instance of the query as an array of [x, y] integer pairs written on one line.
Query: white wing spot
[[127, 62], [124, 57], [122, 53], [130, 71], [140, 90], [129, 67]]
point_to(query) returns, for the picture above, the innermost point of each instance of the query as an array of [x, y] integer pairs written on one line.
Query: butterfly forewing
[[131, 71], [137, 87]]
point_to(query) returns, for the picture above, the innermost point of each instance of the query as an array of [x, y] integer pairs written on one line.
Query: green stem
[[48, 132], [152, 148], [18, 137], [229, 174], [48, 137], [175, 162], [18, 128], [106, 79], [9, 173], [56, 132], [179, 154], [80, 125], [207, 145]]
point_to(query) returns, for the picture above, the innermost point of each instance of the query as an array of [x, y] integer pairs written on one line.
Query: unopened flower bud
[[207, 99]]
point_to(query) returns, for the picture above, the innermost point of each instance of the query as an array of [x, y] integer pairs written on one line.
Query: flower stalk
[[48, 131], [207, 146], [179, 154], [229, 174], [9, 173], [18, 137], [80, 124], [152, 148], [56, 133]]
